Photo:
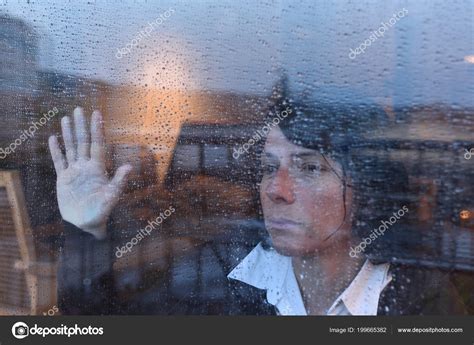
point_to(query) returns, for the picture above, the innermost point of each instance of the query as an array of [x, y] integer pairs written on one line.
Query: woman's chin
[[298, 246], [289, 247]]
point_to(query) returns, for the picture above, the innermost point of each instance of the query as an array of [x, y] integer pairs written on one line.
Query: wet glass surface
[[198, 162]]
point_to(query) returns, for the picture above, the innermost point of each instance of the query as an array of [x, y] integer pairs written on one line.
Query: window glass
[[221, 147]]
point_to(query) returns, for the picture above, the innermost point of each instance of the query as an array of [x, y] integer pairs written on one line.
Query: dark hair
[[341, 124]]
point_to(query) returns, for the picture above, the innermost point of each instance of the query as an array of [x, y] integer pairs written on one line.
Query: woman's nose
[[281, 188]]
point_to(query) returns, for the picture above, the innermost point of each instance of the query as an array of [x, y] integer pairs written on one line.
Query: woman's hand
[[86, 195]]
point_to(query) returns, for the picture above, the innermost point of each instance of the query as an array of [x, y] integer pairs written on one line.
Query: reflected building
[[18, 75], [18, 53]]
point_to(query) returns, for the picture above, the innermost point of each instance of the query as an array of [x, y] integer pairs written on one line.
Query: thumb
[[120, 177]]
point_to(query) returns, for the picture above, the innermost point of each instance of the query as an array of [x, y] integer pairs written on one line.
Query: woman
[[320, 195]]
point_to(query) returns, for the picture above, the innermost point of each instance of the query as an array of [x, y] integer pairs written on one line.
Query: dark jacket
[[195, 282]]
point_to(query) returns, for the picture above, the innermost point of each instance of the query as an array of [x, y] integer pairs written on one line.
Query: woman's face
[[302, 198]]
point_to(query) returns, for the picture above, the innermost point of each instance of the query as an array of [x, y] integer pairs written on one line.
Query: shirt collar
[[273, 272], [362, 295]]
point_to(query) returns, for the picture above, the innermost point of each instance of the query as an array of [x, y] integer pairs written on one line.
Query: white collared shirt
[[273, 272]]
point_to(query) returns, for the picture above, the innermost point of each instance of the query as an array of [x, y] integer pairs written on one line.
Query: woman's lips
[[282, 224]]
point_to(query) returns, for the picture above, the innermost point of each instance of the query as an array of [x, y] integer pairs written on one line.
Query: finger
[[82, 135], [68, 139], [120, 178], [98, 138], [56, 154]]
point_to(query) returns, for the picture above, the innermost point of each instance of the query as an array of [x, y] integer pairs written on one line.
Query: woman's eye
[[269, 169], [311, 167]]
